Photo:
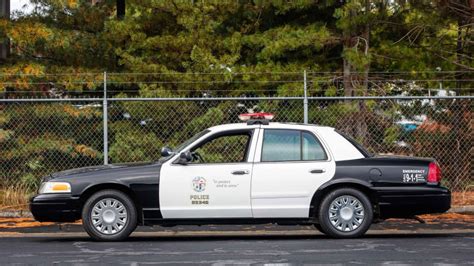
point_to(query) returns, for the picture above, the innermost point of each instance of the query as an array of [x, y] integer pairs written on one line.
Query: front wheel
[[345, 213], [109, 215]]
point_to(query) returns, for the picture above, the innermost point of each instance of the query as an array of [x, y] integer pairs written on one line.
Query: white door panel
[[279, 208], [284, 189], [223, 194], [208, 190]]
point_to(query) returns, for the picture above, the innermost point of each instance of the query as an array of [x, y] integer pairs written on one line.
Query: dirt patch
[[445, 218], [462, 198], [448, 216], [22, 223]]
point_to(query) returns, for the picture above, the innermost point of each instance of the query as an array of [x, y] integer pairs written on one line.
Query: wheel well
[[92, 190], [320, 194]]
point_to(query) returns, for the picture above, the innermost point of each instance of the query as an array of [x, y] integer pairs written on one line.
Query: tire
[[109, 215], [345, 213], [320, 229]]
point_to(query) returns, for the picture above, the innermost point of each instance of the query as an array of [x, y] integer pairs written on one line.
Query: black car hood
[[91, 169]]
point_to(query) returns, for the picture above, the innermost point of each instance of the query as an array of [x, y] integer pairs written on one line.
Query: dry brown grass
[[448, 217], [14, 197], [462, 198], [20, 223]]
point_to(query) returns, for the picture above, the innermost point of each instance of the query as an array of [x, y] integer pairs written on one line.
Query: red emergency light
[[256, 118]]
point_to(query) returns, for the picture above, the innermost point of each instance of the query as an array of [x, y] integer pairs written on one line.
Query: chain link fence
[[41, 136]]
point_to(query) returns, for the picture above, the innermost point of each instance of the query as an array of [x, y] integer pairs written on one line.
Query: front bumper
[[406, 202], [55, 208]]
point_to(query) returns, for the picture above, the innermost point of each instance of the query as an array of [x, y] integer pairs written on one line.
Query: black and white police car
[[253, 172]]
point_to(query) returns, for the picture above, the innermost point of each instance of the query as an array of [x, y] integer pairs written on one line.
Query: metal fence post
[[305, 100], [105, 121]]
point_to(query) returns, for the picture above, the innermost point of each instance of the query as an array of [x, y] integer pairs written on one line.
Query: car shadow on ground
[[200, 238]]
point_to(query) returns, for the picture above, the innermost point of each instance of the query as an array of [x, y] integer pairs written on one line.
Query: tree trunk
[[347, 76], [348, 43], [460, 125], [5, 45], [120, 9], [362, 123]]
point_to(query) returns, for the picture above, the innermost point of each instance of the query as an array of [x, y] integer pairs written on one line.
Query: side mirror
[[166, 151], [185, 158]]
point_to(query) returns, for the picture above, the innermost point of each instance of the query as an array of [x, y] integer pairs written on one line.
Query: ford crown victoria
[[253, 172]]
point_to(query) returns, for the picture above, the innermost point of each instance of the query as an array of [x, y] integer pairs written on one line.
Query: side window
[[312, 148], [230, 148], [281, 145]]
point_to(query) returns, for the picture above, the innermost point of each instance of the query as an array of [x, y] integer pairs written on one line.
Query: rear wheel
[[109, 215], [318, 226], [345, 213]]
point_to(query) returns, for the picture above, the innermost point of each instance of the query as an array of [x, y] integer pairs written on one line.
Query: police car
[[247, 173]]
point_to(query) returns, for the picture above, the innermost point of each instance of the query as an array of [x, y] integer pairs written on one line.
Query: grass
[[15, 197], [463, 198]]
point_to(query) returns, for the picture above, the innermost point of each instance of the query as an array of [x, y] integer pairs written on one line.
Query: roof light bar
[[256, 118]]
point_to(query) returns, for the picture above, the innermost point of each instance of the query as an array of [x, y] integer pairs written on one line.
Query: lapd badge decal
[[199, 184]]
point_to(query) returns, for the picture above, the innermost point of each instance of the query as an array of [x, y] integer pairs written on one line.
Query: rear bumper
[[55, 208], [408, 201]]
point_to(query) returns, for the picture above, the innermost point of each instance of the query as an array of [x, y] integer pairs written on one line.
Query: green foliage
[[5, 135], [331, 91], [37, 139], [4, 117], [391, 134], [30, 180], [358, 59], [213, 116], [225, 37], [280, 41], [135, 146], [180, 38], [320, 114]]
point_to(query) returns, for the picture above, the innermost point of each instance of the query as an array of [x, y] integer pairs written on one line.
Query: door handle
[[241, 172], [317, 171]]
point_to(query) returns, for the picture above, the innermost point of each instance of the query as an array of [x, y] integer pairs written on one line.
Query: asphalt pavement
[[439, 241], [375, 248]]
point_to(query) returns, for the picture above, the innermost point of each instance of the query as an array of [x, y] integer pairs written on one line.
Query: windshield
[[185, 144]]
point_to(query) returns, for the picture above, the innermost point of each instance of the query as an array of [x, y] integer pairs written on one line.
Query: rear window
[[359, 147]]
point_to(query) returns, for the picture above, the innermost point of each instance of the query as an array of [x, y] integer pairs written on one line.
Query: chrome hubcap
[[109, 216], [346, 213]]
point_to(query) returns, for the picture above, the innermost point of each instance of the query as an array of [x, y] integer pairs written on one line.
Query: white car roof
[[340, 148], [225, 127]]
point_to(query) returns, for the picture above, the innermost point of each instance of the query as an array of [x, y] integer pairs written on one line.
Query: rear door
[[290, 165], [216, 184]]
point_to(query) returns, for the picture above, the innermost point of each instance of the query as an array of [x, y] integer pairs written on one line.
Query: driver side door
[[215, 183]]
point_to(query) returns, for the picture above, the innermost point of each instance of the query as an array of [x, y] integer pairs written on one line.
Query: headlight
[[55, 187]]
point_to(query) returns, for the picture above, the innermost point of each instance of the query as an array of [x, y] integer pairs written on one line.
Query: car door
[[289, 167], [216, 183]]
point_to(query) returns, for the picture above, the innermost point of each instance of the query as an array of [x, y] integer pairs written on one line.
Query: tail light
[[434, 173]]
